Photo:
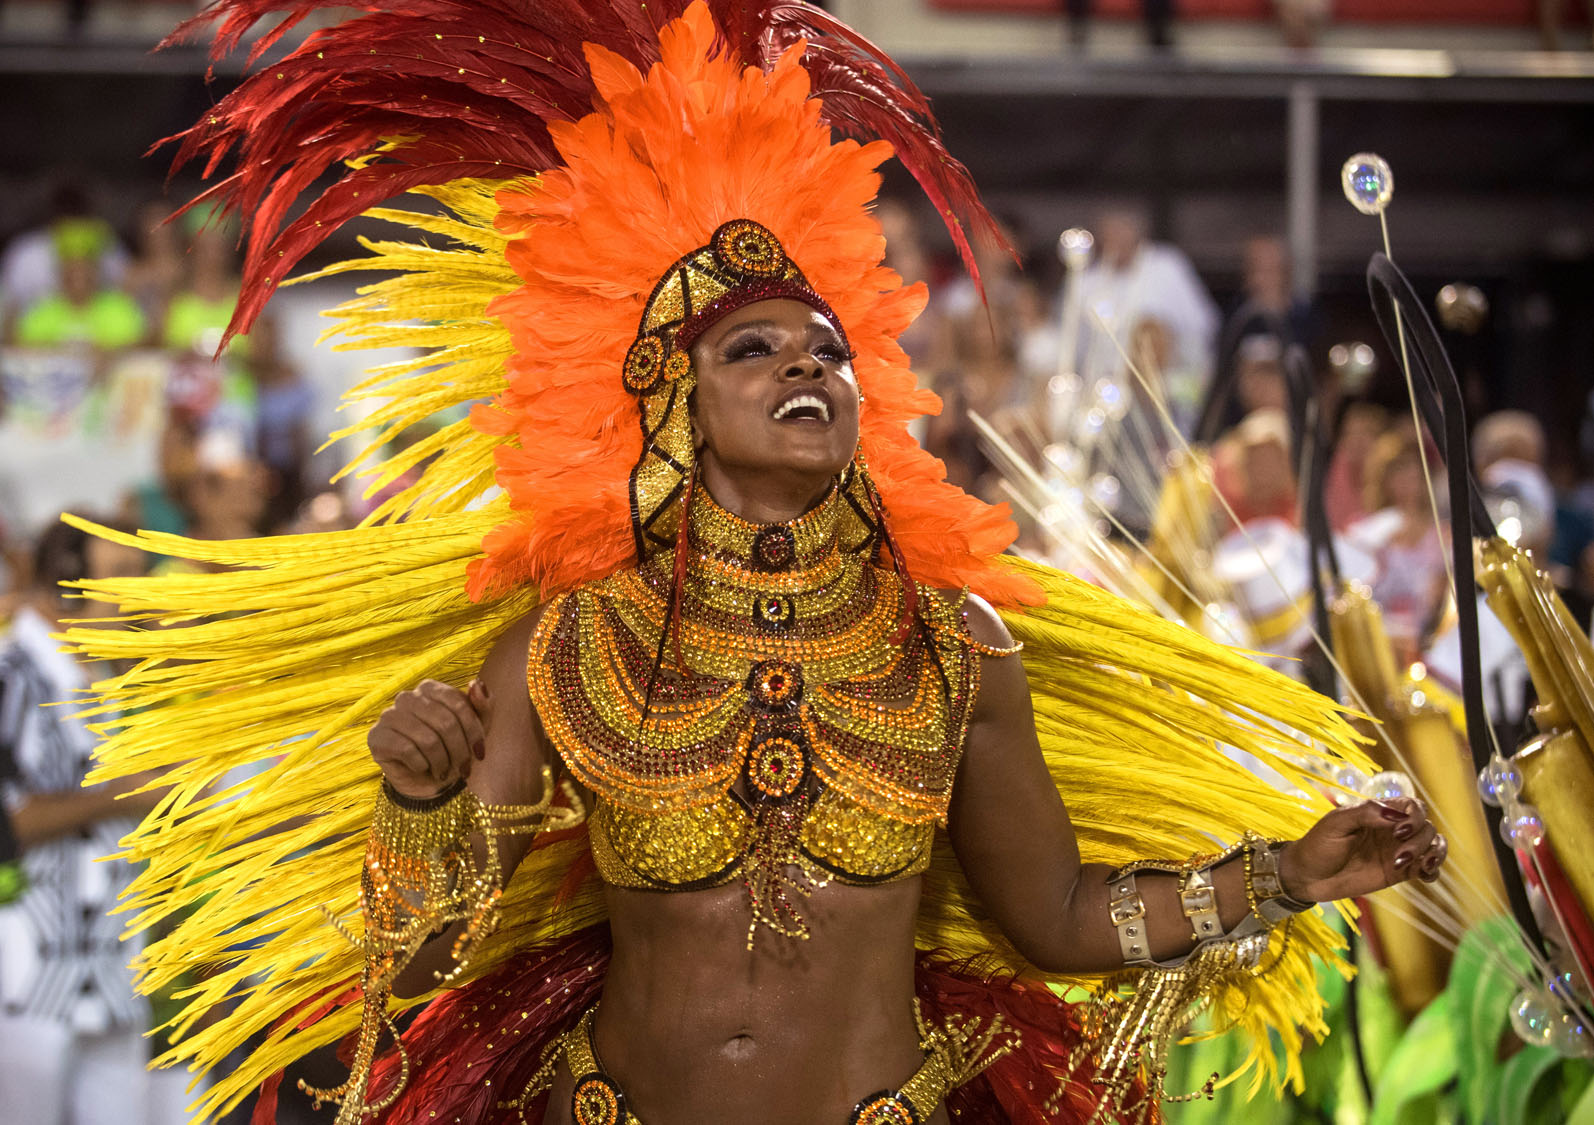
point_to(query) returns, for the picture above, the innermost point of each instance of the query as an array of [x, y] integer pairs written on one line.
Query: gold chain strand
[[421, 876]]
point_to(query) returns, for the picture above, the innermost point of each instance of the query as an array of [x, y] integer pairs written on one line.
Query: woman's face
[[1403, 482], [775, 394]]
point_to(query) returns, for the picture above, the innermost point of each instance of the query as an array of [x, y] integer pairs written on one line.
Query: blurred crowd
[[230, 433], [1128, 365], [84, 313], [1103, 368]]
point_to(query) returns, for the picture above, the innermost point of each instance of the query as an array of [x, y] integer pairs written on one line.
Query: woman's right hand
[[431, 736]]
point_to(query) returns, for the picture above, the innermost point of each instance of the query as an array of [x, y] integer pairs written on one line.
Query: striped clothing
[[61, 957]]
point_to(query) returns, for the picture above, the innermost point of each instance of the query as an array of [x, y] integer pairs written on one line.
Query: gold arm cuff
[[422, 874]]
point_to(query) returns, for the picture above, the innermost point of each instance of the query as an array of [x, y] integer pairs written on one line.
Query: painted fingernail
[[1402, 859], [479, 748], [1392, 814], [1404, 830]]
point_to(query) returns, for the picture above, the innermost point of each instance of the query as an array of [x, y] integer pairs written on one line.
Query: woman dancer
[[723, 597]]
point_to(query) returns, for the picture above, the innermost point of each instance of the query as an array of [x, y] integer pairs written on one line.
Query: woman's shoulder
[[976, 618]]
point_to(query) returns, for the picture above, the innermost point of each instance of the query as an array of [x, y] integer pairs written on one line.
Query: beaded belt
[[952, 1055]]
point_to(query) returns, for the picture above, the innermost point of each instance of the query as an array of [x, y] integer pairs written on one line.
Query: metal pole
[[1301, 174]]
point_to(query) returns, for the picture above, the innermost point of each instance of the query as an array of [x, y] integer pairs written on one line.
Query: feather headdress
[[731, 118], [577, 149]]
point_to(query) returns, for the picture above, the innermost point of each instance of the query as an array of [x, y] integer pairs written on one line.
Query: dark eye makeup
[[742, 345], [824, 345]]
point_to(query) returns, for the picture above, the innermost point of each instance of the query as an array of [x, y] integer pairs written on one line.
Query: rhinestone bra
[[810, 731]]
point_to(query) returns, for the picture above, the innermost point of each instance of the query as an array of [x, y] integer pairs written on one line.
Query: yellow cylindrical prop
[[1558, 778], [1443, 764], [1416, 964], [1364, 652]]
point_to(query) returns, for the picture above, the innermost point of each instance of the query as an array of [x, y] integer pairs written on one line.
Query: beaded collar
[[794, 679], [761, 551]]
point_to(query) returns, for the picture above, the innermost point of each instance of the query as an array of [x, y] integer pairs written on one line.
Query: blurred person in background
[[325, 511], [1410, 582], [1259, 375], [1011, 309], [1268, 307], [160, 504], [30, 268], [1253, 469], [1302, 21], [1133, 279], [1509, 454], [985, 360], [157, 267], [1158, 15], [210, 392], [284, 402], [207, 291], [1550, 21], [1345, 491], [980, 368], [86, 311], [1135, 450], [229, 492], [908, 256], [72, 1047]]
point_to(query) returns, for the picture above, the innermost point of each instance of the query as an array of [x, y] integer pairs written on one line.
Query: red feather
[[453, 88]]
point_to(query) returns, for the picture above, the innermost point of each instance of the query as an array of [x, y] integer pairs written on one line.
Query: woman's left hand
[[1362, 848]]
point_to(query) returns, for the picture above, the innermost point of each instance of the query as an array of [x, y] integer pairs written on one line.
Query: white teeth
[[797, 401]]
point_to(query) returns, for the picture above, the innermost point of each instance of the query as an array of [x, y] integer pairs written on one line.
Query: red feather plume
[[428, 91]]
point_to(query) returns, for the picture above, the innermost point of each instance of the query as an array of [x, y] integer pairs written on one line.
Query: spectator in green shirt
[[83, 312]]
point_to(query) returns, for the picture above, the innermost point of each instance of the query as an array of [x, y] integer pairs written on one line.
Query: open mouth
[[803, 407]]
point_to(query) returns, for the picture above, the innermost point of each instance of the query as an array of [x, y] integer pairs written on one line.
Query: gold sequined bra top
[[807, 733]]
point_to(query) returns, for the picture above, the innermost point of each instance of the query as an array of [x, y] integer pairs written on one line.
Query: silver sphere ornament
[[1064, 386], [1104, 491], [1566, 986], [1462, 308], [1066, 459], [1349, 777], [1111, 398], [1499, 782], [1368, 182], [1523, 828], [1570, 1037], [1074, 246], [1531, 1016], [1388, 786]]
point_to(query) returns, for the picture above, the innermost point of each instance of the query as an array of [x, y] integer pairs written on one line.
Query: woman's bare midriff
[[697, 1030]]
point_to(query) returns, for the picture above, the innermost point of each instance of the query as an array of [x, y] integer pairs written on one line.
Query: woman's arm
[[42, 817], [506, 771], [1013, 838]]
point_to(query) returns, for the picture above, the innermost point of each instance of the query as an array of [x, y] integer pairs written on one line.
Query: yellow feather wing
[[278, 662]]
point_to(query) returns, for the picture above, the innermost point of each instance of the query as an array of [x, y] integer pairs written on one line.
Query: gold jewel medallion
[[749, 249], [884, 1108], [644, 362], [597, 1101]]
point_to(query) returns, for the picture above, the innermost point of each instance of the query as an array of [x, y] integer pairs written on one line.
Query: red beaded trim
[[701, 321]]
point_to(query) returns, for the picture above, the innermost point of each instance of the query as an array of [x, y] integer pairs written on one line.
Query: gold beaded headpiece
[[743, 262]]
